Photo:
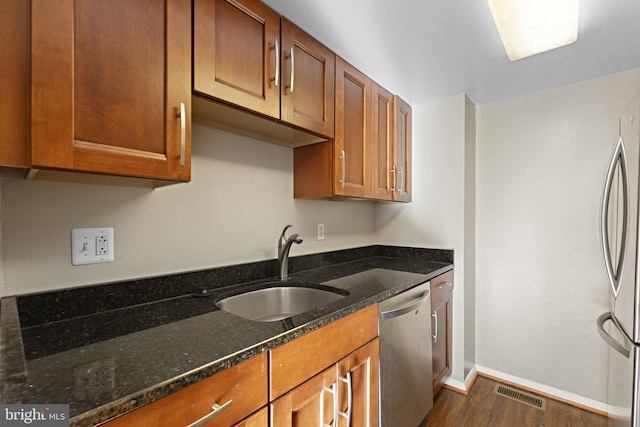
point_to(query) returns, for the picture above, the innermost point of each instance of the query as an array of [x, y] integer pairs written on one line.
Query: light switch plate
[[92, 245]]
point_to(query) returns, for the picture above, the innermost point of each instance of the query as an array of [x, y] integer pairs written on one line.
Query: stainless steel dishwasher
[[406, 380]]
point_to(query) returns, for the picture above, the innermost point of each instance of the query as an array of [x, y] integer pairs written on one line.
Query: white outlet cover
[[84, 245]]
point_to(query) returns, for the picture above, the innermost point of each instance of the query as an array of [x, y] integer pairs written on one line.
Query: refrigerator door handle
[[620, 348], [614, 273]]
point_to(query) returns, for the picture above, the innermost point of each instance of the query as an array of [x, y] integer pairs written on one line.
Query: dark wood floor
[[483, 407]]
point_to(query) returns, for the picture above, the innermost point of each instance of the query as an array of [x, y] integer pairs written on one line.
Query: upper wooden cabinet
[[352, 149], [235, 53], [382, 170], [14, 83], [308, 78], [247, 56], [402, 150], [341, 167], [370, 157], [110, 87], [391, 154]]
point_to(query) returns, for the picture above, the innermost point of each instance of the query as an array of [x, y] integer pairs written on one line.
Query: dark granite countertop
[[108, 349]]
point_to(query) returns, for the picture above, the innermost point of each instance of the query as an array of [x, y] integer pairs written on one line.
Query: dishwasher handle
[[407, 308]]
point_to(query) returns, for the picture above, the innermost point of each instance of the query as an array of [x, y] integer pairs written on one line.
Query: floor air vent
[[526, 398]]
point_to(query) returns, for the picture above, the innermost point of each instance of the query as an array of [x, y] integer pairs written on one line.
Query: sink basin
[[278, 301]]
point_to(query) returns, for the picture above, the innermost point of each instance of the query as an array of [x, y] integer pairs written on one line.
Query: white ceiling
[[424, 50]]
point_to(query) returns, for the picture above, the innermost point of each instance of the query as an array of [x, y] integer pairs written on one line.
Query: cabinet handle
[[333, 390], [444, 285], [293, 69], [435, 336], [401, 179], [344, 168], [216, 409], [347, 414], [395, 178], [183, 133], [276, 79]]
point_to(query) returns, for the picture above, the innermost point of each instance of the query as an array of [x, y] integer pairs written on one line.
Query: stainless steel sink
[[278, 302]]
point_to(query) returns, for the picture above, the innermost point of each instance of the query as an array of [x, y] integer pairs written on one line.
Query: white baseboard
[[463, 387], [545, 389]]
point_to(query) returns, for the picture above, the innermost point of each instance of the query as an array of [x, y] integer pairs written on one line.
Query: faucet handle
[[285, 229], [282, 239]]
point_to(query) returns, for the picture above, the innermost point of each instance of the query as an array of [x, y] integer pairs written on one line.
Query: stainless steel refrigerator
[[620, 327]]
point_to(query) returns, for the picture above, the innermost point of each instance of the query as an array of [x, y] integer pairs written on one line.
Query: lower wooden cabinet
[[441, 326], [314, 377], [326, 377], [311, 403], [358, 376], [245, 384], [342, 395]]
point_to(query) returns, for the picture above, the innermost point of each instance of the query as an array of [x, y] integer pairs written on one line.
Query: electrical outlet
[[92, 245], [320, 231], [102, 245]]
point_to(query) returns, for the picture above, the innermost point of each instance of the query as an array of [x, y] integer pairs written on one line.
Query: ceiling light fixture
[[528, 27]]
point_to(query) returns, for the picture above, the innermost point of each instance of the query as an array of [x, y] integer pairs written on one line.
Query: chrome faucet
[[284, 245]]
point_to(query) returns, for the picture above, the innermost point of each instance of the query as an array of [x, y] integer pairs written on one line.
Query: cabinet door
[[402, 158], [439, 341], [441, 326], [383, 177], [358, 376], [308, 80], [234, 53], [352, 156], [14, 82], [108, 83], [309, 404]]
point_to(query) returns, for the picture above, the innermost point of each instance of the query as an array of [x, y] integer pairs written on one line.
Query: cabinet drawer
[[441, 289], [302, 358], [245, 384]]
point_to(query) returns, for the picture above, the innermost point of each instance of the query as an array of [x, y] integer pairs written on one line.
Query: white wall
[[436, 216], [469, 308], [233, 211], [540, 279]]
